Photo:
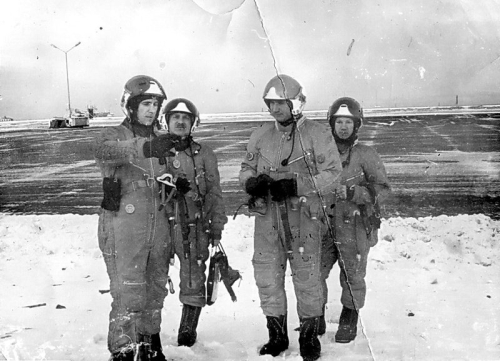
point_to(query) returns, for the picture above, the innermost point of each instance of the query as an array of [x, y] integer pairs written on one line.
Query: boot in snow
[[321, 327], [322, 323], [143, 352], [348, 326], [157, 350], [310, 347], [189, 322], [143, 348], [127, 355], [278, 336]]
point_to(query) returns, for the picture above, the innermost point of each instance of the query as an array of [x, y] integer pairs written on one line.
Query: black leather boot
[[143, 352], [122, 356], [143, 349], [157, 350], [278, 336], [189, 322], [348, 326], [322, 323], [310, 347]]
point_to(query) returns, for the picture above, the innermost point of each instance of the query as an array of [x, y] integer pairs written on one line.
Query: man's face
[[280, 110], [179, 124], [344, 127], [146, 111]]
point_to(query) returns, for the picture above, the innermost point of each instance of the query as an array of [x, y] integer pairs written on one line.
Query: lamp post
[[67, 73]]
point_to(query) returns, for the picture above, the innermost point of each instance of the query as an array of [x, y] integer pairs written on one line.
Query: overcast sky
[[384, 53]]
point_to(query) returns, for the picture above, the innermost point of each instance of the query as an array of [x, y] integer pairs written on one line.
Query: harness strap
[[185, 229], [283, 211]]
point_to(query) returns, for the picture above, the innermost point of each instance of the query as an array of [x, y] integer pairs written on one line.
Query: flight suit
[[315, 165], [134, 240], [203, 210], [355, 232]]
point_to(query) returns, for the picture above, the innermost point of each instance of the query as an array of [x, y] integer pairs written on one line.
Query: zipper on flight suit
[[276, 164], [153, 218]]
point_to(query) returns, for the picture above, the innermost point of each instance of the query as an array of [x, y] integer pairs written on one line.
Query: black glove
[[159, 147], [258, 186], [183, 144], [282, 189], [182, 185]]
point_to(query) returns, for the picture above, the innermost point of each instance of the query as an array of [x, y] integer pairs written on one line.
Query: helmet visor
[[144, 85]]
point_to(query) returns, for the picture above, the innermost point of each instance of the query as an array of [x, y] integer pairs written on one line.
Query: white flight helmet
[[181, 105], [284, 87], [138, 88]]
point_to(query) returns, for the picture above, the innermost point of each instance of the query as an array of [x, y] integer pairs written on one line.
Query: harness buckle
[[149, 180]]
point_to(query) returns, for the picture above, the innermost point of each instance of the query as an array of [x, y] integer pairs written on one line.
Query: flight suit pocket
[[267, 270], [304, 267]]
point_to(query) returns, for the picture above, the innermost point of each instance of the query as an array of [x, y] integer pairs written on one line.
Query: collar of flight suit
[[299, 121]]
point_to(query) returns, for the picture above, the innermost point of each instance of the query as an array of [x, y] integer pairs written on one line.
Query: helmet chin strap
[[287, 122]]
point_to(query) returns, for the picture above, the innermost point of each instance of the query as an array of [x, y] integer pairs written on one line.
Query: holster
[[372, 224], [112, 188]]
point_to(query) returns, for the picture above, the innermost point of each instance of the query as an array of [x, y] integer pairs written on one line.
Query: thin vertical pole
[[67, 80]]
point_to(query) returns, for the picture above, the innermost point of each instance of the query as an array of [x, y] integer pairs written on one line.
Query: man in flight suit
[[197, 213], [133, 233], [289, 164]]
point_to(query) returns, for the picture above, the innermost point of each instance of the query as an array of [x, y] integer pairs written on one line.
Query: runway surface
[[437, 164]]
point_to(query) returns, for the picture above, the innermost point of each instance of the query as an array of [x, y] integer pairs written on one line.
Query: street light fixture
[[67, 74]]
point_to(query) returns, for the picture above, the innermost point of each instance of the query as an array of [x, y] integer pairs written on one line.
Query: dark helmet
[[284, 87], [349, 108], [181, 105], [139, 88], [346, 107]]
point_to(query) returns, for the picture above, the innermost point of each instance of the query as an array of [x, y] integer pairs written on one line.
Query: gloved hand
[[214, 236], [183, 143], [182, 185], [282, 189], [258, 186], [160, 146]]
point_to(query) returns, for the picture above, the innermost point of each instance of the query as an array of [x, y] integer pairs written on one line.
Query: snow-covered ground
[[433, 294]]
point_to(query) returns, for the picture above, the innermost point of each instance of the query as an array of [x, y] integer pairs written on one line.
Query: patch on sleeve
[[250, 156], [321, 158]]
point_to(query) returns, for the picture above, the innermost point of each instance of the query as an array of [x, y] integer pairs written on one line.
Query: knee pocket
[[267, 273], [197, 282], [304, 269], [303, 275], [133, 296]]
